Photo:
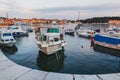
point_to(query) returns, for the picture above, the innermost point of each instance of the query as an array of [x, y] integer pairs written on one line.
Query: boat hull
[[7, 44], [84, 35], [70, 33], [107, 44], [50, 49], [106, 49], [19, 34], [114, 35], [10, 50]]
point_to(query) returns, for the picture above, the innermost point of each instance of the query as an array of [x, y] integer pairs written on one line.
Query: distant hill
[[99, 19]]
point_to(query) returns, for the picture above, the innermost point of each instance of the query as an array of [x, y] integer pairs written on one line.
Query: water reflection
[[53, 62], [10, 50], [78, 61], [106, 50]]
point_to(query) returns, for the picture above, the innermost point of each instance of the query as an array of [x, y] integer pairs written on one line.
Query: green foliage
[[99, 19]]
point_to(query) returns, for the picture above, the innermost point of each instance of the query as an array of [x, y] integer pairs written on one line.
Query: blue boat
[[107, 44]]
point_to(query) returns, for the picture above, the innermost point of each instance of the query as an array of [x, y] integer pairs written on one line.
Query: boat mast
[[7, 15], [7, 18], [79, 16]]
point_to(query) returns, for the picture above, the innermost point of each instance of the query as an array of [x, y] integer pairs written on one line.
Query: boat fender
[[118, 45], [51, 40], [82, 46], [61, 36], [63, 43]]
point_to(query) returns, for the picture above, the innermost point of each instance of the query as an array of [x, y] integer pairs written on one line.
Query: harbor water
[[78, 57]]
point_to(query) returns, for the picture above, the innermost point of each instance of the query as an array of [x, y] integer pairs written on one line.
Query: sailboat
[[79, 23], [86, 33]]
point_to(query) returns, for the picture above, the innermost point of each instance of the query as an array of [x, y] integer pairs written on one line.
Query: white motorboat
[[86, 33], [50, 40], [17, 31], [114, 32], [7, 39]]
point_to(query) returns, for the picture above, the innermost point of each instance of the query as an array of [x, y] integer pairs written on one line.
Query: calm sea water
[[75, 59]]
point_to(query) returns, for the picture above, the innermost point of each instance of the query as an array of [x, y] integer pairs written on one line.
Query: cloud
[[66, 12], [102, 7], [7, 3]]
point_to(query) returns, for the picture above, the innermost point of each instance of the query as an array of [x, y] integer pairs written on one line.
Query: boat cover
[[53, 30], [107, 39]]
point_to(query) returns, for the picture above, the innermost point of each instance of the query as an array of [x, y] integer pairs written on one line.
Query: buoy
[[81, 46]]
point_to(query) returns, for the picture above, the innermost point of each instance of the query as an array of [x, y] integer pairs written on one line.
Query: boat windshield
[[53, 30], [6, 34], [15, 28]]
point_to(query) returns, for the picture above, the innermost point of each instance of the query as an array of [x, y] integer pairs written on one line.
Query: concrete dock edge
[[12, 71]]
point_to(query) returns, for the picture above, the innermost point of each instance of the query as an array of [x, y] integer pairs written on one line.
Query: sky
[[59, 9]]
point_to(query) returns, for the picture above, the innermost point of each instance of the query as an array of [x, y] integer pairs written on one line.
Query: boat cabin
[[5, 36], [7, 39], [52, 35]]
